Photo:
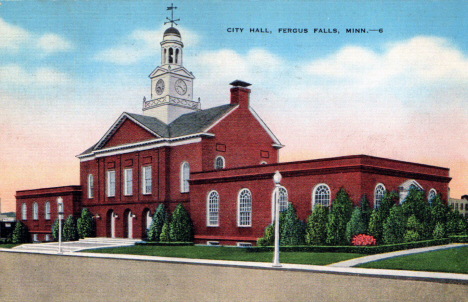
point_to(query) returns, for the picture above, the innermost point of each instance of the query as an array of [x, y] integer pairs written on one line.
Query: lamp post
[[60, 216], [276, 179]]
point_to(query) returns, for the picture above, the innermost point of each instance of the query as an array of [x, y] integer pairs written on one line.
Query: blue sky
[[69, 68]]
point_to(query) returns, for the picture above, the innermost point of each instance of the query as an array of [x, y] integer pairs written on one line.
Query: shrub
[[363, 240], [355, 225], [365, 212], [375, 226], [456, 223], [411, 236], [268, 238], [180, 226], [85, 224], [291, 228], [20, 233], [315, 228], [416, 204], [55, 229], [164, 237], [394, 226], [413, 230], [339, 216], [439, 231], [157, 224], [386, 204], [70, 231]]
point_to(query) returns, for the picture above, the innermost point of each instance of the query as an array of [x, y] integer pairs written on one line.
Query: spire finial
[[171, 20]]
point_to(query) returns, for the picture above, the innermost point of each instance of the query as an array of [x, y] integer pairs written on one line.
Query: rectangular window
[[90, 186], [47, 237], [110, 183], [128, 182], [146, 180], [34, 237]]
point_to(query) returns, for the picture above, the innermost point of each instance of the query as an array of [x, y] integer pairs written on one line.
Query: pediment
[[124, 131], [181, 71]]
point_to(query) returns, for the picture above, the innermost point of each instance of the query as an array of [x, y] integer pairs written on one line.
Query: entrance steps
[[74, 246]]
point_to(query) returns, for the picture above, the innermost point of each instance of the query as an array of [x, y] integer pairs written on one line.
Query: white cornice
[[146, 145]]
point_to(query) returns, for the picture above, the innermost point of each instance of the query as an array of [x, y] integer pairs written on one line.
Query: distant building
[[7, 224], [218, 162], [461, 205]]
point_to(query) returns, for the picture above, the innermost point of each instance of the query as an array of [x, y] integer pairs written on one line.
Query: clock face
[[180, 87], [159, 87]]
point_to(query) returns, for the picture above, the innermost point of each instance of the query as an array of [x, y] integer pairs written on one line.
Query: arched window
[[244, 208], [90, 186], [431, 195], [24, 211], [379, 193], [35, 211], [263, 162], [171, 55], [184, 177], [283, 201], [219, 162], [321, 195], [212, 206], [47, 211], [165, 55], [177, 56]]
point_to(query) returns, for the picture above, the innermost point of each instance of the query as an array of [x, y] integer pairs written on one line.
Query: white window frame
[[219, 162], [35, 238], [184, 177], [212, 209], [47, 237], [47, 211], [90, 186], [432, 193], [283, 201], [128, 182], [244, 211], [35, 211], [243, 244], [24, 211], [314, 192], [147, 180], [379, 193], [110, 183]]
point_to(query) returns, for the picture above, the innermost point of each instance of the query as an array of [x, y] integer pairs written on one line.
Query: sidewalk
[[365, 259]]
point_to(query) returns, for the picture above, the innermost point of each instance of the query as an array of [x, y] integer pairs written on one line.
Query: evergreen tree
[[365, 212], [180, 226], [394, 226], [20, 233], [70, 231], [375, 226], [416, 204], [387, 202], [439, 231], [165, 237], [316, 226], [85, 224], [338, 218], [438, 211], [355, 225], [159, 217], [291, 228], [413, 229], [456, 223], [268, 238]]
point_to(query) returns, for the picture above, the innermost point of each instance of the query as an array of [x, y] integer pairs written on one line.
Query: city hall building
[[218, 162]]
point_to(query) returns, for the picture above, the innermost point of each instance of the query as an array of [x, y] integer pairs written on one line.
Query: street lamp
[[60, 216], [276, 179]]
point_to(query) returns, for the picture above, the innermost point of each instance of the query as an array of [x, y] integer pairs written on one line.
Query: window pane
[[213, 208], [379, 193], [111, 183], [128, 182], [244, 208], [322, 196], [147, 180]]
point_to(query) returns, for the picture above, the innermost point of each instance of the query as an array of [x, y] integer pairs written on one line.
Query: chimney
[[240, 93]]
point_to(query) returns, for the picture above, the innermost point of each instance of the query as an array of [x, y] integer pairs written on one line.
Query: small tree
[[181, 226], [85, 224], [70, 231], [413, 229], [20, 233], [316, 226], [159, 217], [355, 225], [456, 223], [165, 237], [375, 226], [291, 228], [387, 202], [366, 212], [416, 204], [338, 218], [394, 226], [268, 238]]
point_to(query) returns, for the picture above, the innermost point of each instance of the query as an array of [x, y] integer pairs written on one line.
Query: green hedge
[[378, 249], [154, 243]]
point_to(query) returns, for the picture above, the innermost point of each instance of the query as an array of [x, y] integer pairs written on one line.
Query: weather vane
[[171, 20]]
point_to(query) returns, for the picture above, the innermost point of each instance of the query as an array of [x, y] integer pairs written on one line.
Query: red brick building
[[218, 162]]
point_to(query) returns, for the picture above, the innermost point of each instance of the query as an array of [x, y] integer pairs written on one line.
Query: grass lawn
[[449, 261], [8, 245], [229, 253]]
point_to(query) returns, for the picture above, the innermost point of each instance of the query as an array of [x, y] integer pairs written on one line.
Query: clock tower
[[171, 83]]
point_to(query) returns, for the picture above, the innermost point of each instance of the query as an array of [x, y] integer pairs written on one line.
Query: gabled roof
[[186, 125]]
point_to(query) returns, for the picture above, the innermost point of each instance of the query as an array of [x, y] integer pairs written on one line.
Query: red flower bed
[[363, 240]]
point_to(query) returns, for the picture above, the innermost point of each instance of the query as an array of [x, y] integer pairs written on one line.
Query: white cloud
[[141, 44], [15, 75], [15, 38], [50, 43]]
